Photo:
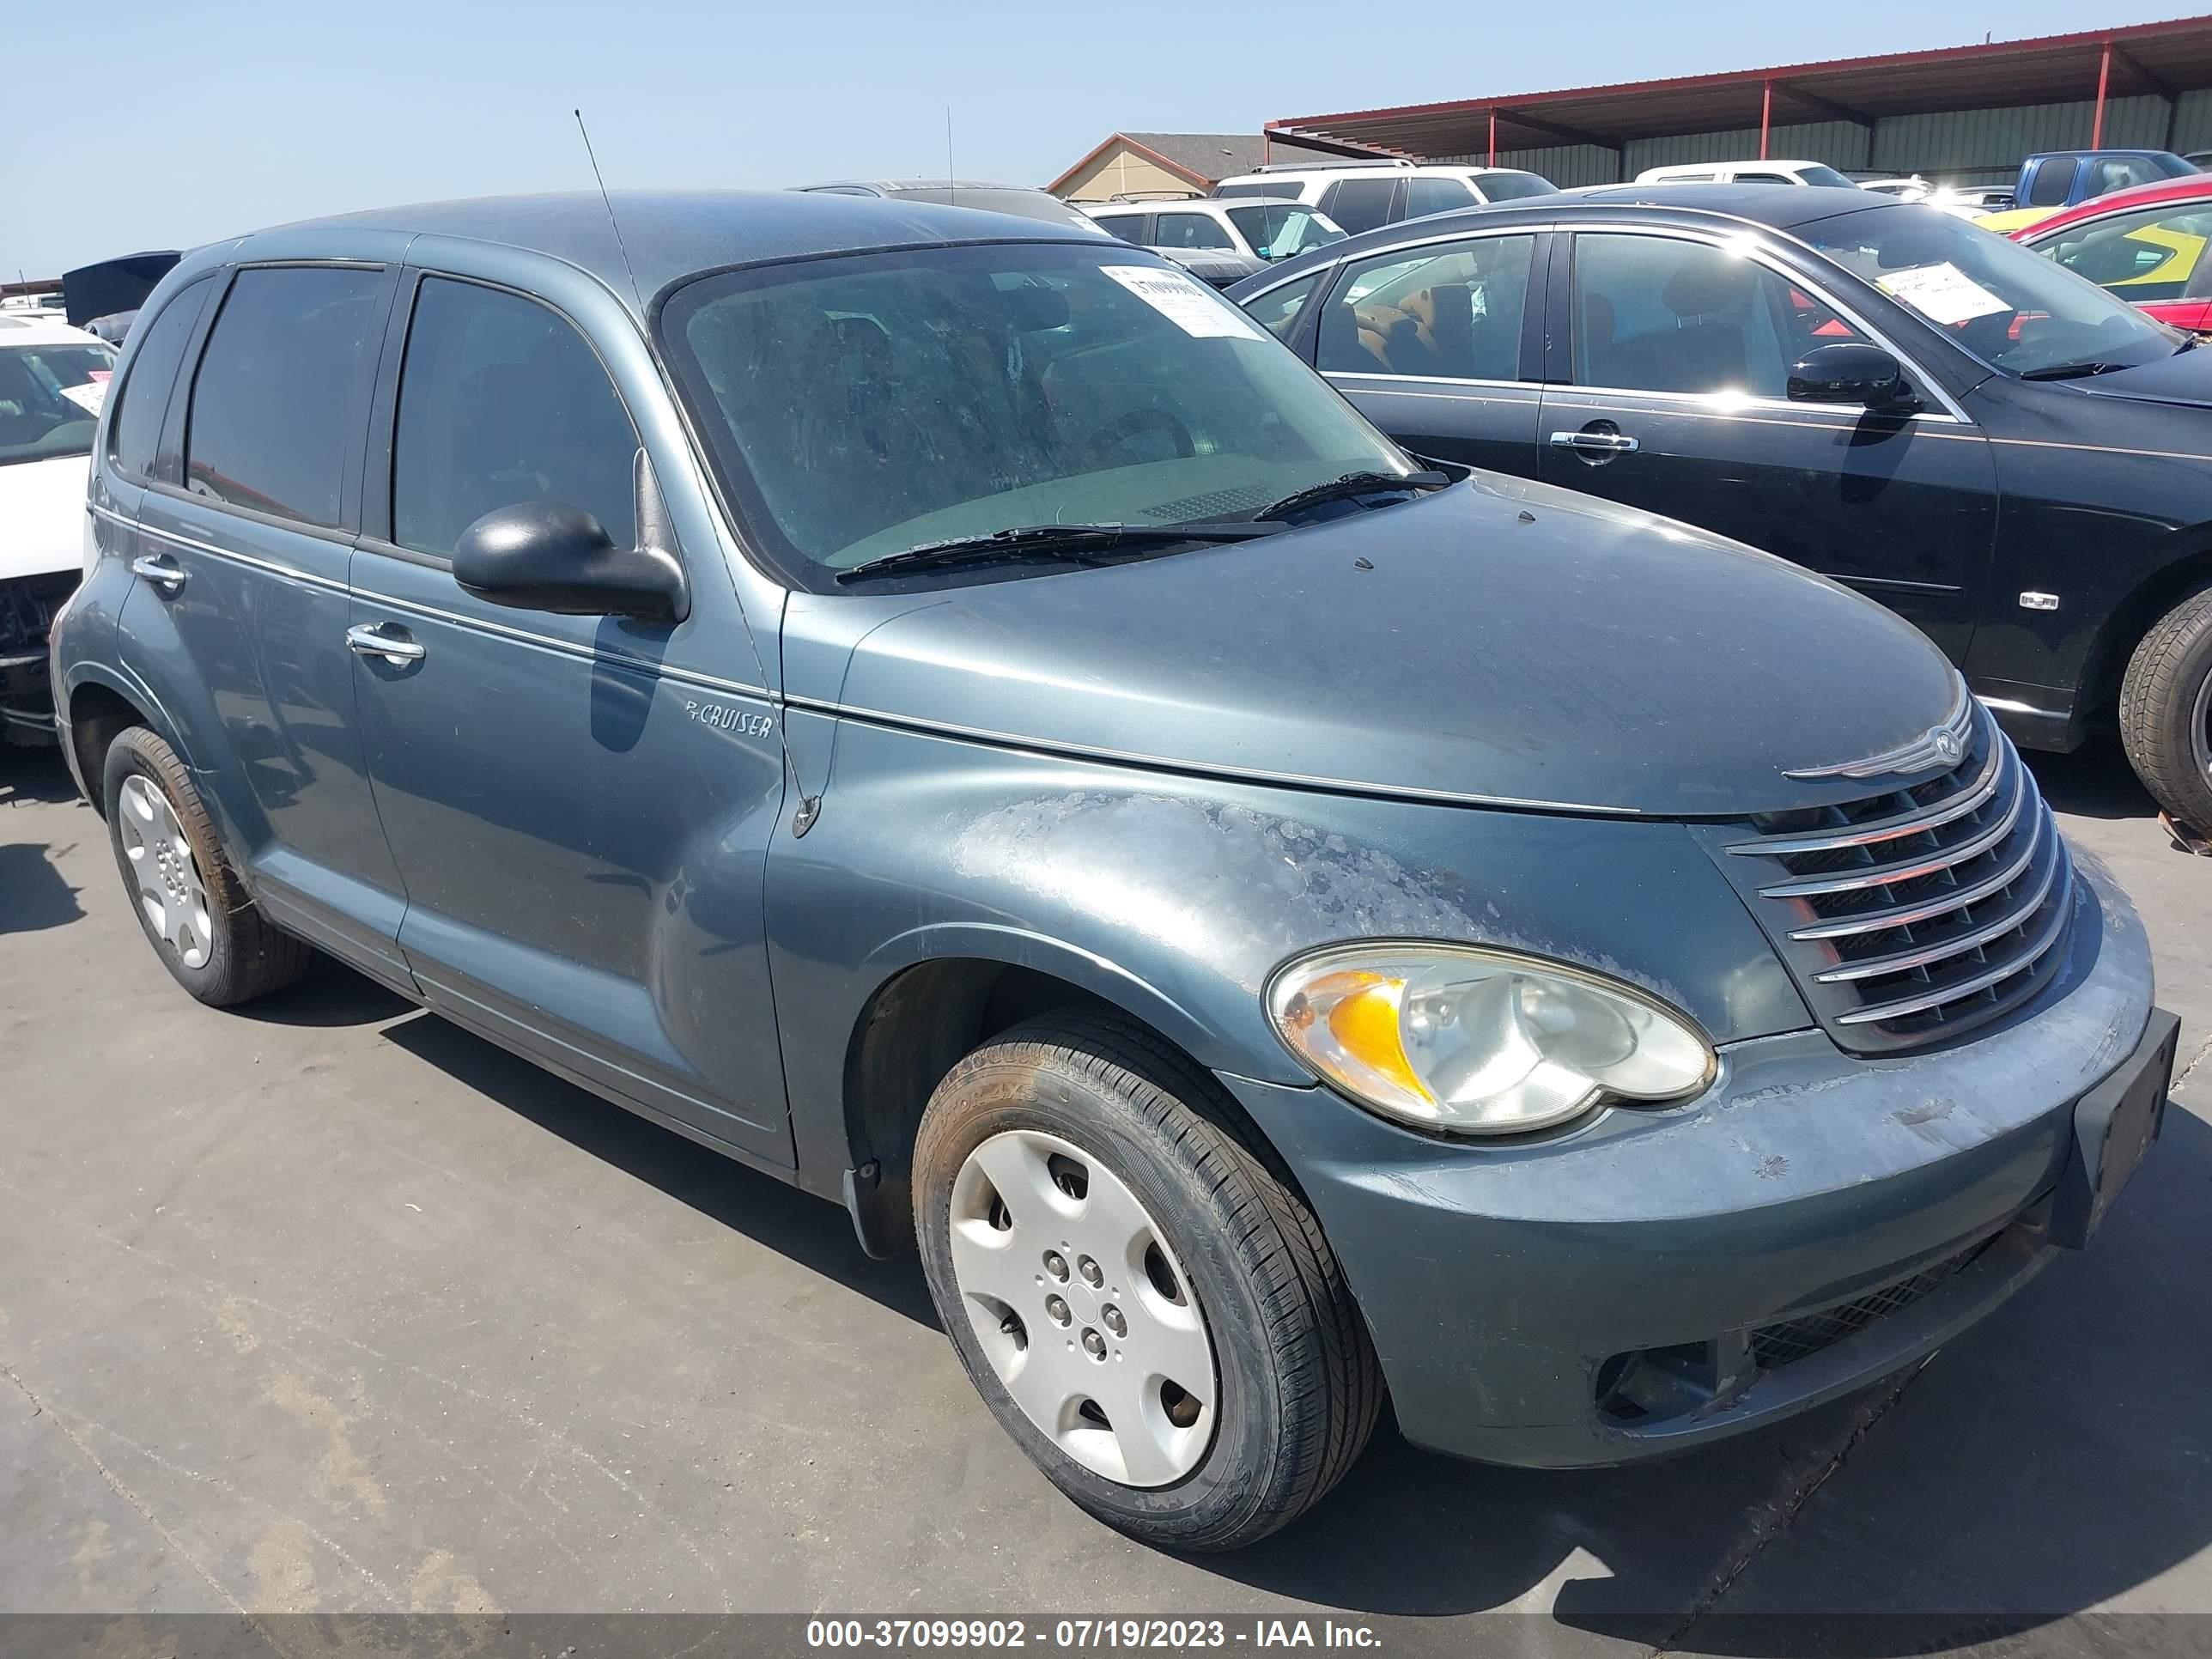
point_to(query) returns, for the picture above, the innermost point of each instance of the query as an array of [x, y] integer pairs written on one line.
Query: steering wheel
[[1123, 428]]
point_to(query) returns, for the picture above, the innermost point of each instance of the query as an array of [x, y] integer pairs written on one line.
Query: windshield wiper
[[2069, 371], [1351, 484], [1034, 541]]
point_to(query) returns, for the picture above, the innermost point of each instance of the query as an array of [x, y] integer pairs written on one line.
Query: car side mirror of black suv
[[546, 555], [1852, 372]]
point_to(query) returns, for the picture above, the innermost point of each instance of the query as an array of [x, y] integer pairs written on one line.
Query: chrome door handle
[[369, 640], [159, 568], [1598, 443]]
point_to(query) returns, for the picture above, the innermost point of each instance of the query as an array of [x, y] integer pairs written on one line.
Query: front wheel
[[1150, 1312], [2165, 711]]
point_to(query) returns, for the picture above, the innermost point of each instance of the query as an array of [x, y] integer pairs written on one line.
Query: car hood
[[1498, 642], [42, 515], [2184, 377]]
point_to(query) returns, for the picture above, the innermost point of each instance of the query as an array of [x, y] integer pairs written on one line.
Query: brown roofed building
[[1150, 164]]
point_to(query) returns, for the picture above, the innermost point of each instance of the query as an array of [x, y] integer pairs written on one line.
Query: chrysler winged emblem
[[1940, 746]]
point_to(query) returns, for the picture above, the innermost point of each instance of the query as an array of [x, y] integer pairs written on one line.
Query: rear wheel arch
[[98, 715], [2174, 582]]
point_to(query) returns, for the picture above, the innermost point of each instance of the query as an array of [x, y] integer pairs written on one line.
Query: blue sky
[[172, 123]]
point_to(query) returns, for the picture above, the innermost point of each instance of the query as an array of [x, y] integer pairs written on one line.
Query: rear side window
[[2052, 180], [501, 402], [1190, 230], [145, 398], [1285, 187], [1130, 226], [1358, 204], [278, 391], [1427, 195]]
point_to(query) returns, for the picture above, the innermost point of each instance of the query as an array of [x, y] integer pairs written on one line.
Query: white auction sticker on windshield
[[88, 398], [1179, 299], [1942, 294]]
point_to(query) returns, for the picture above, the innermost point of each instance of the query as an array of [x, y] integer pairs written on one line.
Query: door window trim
[[1748, 246], [1533, 306], [347, 528], [377, 475]]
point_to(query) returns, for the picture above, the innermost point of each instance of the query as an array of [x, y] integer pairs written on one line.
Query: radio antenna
[[591, 156], [951, 188]]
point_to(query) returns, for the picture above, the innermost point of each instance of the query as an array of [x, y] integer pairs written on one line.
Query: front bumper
[[1507, 1286]]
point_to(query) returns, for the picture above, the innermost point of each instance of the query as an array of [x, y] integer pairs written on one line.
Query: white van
[[1745, 172], [52, 380], [1360, 194]]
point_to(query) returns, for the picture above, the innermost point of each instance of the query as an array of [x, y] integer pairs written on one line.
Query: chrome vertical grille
[[1911, 915]]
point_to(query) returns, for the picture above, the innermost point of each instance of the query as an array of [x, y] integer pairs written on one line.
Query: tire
[[2163, 710], [188, 899], [1296, 1387]]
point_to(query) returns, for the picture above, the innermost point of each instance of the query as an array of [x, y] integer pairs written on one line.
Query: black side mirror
[[1852, 372], [544, 556]]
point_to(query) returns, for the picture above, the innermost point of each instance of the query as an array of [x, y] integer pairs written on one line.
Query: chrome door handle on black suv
[[385, 639], [159, 568], [1599, 446]]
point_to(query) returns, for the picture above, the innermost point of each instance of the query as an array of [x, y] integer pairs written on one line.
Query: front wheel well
[[921, 1024], [97, 716], [2133, 617]]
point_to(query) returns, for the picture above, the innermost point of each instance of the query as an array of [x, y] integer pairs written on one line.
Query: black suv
[[2012, 458]]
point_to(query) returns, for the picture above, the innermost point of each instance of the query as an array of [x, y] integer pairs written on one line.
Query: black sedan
[[2000, 452]]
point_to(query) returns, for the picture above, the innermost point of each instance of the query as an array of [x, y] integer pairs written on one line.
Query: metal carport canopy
[[2160, 58]]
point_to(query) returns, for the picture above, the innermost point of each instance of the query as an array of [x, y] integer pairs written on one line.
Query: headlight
[[1475, 1041]]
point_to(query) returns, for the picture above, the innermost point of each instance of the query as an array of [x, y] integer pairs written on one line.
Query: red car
[[2146, 244]]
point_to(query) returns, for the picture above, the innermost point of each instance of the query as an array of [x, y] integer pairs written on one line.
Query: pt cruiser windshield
[[863, 406]]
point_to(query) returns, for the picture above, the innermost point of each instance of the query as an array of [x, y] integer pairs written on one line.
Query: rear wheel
[[2165, 711], [190, 903], [1149, 1311]]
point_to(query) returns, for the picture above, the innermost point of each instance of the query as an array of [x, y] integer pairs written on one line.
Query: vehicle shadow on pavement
[[2050, 1461], [817, 1235], [2094, 782], [34, 894]]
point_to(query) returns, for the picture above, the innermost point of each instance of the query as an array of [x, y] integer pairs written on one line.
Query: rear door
[[1364, 204], [581, 806], [1439, 345], [1674, 353], [246, 559]]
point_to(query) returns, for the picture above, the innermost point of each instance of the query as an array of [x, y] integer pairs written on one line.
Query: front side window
[[2153, 254], [1656, 314], [1448, 312], [278, 391], [50, 397], [1358, 204], [1280, 230], [135, 426], [867, 404], [1277, 310], [1190, 230], [2005, 305], [2112, 173], [501, 402]]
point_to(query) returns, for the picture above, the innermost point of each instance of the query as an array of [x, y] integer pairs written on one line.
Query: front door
[[581, 805], [1677, 362], [1434, 344], [247, 557]]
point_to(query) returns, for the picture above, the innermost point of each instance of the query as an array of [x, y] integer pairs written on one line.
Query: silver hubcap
[[1083, 1310], [170, 891]]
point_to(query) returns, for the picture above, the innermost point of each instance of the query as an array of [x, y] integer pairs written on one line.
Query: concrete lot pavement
[[327, 1306]]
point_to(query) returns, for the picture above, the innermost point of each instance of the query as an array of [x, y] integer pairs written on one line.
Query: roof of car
[[2190, 188], [665, 234], [24, 328], [1778, 206]]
